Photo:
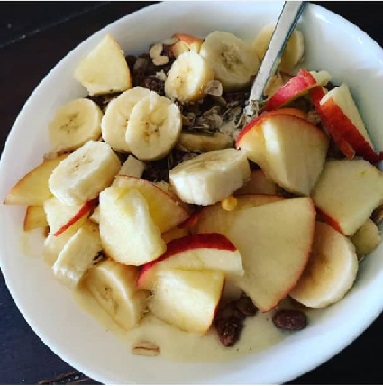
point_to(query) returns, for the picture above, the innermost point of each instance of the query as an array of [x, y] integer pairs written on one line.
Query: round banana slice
[[233, 60], [293, 53], [210, 177], [117, 114], [188, 76], [153, 128], [75, 123]]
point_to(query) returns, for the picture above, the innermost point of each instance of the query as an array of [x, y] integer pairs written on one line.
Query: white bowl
[[333, 44]]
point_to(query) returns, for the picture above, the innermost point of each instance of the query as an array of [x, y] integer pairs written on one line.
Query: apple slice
[[291, 151], [184, 43], [211, 251], [296, 87], [258, 184], [275, 242], [33, 189], [366, 238], [347, 192], [34, 218], [163, 207], [174, 233], [128, 233], [331, 269], [342, 119], [187, 299]]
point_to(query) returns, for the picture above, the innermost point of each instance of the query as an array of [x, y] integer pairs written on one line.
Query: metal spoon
[[285, 26]]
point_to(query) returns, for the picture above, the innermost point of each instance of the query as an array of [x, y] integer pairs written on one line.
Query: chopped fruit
[[366, 238], [113, 285], [174, 233], [191, 142], [291, 151], [33, 188], [210, 177], [185, 43], [104, 70], [347, 192], [297, 86], [330, 271], [77, 255], [187, 299], [164, 209], [258, 184], [128, 233], [343, 121], [132, 167], [213, 252], [34, 218]]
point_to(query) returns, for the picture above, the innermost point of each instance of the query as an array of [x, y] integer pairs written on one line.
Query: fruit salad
[[157, 199]]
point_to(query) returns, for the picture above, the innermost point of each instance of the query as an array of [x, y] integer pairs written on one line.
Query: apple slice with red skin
[[83, 211], [347, 192], [210, 251], [258, 184], [291, 151], [296, 87], [342, 119], [34, 218], [183, 44]]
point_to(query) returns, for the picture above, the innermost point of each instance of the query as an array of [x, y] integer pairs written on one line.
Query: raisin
[[246, 306], [292, 320], [229, 330], [138, 77], [130, 60], [227, 311], [155, 84]]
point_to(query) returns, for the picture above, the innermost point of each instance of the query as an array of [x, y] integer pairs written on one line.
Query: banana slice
[[78, 255], [187, 77], [117, 114], [113, 285], [210, 177], [153, 128], [204, 142], [293, 53], [330, 271], [233, 60], [84, 173], [104, 70], [75, 123]]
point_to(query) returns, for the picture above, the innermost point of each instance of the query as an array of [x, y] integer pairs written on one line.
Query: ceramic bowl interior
[[332, 43]]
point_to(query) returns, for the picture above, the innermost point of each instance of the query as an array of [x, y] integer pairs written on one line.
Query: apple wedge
[[258, 184], [297, 86], [187, 299], [210, 251], [128, 232], [347, 192], [174, 233], [34, 218], [330, 271], [33, 189], [366, 238], [184, 43], [342, 119], [291, 151], [163, 207]]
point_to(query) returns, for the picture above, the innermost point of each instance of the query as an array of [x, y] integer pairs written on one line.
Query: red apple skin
[[187, 38], [294, 88], [324, 217], [86, 208], [187, 243], [342, 130], [256, 122]]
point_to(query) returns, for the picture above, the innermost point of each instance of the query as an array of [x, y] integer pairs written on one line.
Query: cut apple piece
[[331, 269], [366, 238], [211, 251], [347, 192], [258, 184], [33, 188], [128, 233], [343, 121], [164, 209], [184, 43], [34, 218], [187, 299], [290, 150], [275, 242], [297, 86], [113, 285], [175, 233]]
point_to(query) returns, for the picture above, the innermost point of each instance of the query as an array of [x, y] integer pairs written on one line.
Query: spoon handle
[[285, 26]]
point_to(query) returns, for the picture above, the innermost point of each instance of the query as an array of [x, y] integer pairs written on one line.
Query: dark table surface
[[33, 38]]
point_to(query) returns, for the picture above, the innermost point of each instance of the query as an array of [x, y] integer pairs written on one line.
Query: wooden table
[[33, 38]]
